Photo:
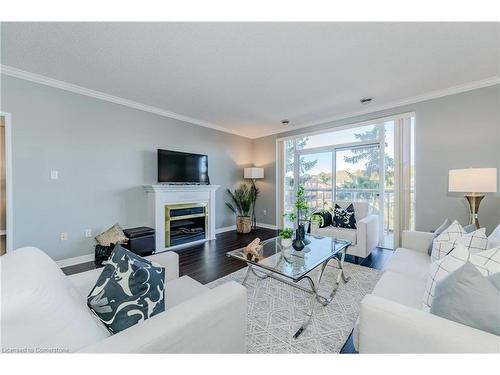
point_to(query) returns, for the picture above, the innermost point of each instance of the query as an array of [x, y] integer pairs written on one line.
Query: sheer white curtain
[[402, 177], [280, 186]]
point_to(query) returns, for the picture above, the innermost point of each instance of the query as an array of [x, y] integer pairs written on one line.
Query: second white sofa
[[391, 319]]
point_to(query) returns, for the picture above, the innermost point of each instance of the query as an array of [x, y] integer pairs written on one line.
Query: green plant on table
[[286, 233], [301, 211]]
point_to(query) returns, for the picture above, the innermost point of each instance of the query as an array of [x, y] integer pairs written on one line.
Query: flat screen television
[[182, 168]]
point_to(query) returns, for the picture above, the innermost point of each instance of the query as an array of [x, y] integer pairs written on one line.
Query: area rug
[[276, 310]]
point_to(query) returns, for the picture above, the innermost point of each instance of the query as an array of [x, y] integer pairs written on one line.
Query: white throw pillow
[[445, 242], [494, 238], [487, 262], [474, 241]]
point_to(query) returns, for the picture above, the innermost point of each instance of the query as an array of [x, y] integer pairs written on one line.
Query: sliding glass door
[[356, 163]]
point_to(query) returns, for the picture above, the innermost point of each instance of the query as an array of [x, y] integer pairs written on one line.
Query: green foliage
[[317, 218], [372, 157], [242, 200], [286, 233], [301, 211]]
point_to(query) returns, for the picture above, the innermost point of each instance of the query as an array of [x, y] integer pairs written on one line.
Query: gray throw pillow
[[437, 232], [129, 290], [467, 297]]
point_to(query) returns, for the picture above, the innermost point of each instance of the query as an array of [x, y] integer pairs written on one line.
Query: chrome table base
[[314, 286]]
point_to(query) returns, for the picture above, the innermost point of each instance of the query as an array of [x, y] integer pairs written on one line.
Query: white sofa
[[391, 319], [44, 310], [364, 239]]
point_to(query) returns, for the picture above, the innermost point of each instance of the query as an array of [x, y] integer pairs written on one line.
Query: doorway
[[5, 190]]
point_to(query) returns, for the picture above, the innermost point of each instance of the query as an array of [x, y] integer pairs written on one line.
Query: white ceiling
[[246, 77]]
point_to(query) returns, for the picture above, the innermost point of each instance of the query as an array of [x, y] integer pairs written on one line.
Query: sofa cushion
[[40, 306], [361, 209], [339, 233], [400, 288], [437, 232], [182, 289], [445, 242], [129, 290], [410, 262], [487, 262], [467, 297]]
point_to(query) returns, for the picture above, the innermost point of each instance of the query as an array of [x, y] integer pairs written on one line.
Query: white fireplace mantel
[[160, 195]]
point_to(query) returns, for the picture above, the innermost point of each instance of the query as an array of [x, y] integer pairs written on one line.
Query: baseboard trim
[[90, 257], [76, 260], [267, 226], [225, 229]]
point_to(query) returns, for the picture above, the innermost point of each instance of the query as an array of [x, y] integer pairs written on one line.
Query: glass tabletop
[[289, 262]]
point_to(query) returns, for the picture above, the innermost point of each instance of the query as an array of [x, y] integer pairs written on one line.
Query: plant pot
[[286, 242], [243, 224], [301, 233]]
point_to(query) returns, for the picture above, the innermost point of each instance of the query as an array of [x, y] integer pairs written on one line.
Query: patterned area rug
[[276, 310]]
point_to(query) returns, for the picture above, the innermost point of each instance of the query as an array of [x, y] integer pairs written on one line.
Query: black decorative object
[[141, 240], [344, 218], [298, 244], [327, 218], [102, 253]]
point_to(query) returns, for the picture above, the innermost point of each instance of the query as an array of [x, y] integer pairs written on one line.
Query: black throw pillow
[[327, 218], [129, 290], [344, 218]]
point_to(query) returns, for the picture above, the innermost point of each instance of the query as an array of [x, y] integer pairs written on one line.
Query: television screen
[[182, 167]]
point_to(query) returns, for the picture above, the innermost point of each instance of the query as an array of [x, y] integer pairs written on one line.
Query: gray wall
[[456, 131], [104, 153]]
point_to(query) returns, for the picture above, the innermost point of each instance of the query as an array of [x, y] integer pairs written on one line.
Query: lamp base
[[474, 202]]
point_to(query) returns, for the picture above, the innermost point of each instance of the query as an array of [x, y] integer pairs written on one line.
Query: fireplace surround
[[178, 212]]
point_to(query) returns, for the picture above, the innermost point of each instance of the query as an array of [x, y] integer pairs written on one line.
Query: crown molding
[[491, 81], [44, 80]]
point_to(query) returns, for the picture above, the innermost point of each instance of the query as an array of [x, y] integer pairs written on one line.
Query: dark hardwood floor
[[208, 261]]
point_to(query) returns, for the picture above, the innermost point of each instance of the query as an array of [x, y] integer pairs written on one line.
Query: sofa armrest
[[416, 240], [169, 260], [389, 327], [212, 322], [367, 236]]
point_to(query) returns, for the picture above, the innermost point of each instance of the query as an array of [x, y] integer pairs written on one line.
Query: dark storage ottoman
[[141, 240]]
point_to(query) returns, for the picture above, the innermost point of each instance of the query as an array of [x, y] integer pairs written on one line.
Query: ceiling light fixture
[[366, 100], [285, 122]]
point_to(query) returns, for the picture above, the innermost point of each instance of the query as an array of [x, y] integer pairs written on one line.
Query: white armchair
[[42, 309], [364, 239]]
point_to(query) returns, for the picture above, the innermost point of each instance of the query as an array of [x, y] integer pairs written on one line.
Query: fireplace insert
[[185, 223]]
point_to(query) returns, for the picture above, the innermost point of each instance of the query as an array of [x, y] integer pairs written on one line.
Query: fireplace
[[185, 223], [163, 198]]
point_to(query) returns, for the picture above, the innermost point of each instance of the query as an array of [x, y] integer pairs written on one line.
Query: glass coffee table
[[290, 266]]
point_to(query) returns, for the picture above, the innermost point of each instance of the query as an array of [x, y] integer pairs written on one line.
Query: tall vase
[[298, 243]]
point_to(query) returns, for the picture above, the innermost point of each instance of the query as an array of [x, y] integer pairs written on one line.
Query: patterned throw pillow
[[487, 262], [344, 218], [129, 290], [113, 235], [445, 242], [326, 218]]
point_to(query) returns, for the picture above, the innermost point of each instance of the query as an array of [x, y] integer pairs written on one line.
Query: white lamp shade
[[473, 180], [253, 173]]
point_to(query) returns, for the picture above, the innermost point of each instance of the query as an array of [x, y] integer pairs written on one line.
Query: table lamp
[[253, 174], [474, 182]]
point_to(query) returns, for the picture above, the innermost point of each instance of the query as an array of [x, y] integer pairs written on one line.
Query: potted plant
[[316, 222], [300, 214], [286, 237], [241, 205]]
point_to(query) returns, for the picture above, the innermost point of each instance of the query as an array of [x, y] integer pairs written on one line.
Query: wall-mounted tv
[[182, 168]]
